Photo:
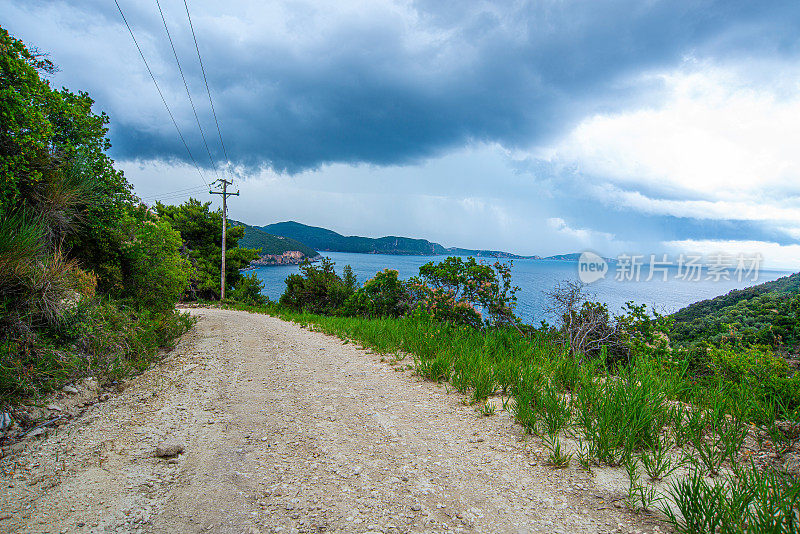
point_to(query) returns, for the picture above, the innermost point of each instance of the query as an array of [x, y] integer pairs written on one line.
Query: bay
[[536, 277]]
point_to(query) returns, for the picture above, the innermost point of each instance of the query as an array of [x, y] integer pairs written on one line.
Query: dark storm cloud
[[387, 88]]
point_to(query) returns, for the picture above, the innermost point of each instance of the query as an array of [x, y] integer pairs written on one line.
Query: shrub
[[156, 275], [383, 295], [587, 327], [316, 289], [98, 337], [736, 365], [248, 291]]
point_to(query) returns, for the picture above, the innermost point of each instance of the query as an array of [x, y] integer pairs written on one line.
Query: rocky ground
[[253, 424]]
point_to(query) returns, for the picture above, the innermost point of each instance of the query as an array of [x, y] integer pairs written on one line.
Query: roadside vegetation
[[700, 428], [89, 276]]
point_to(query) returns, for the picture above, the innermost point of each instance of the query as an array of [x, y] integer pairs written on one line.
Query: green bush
[[248, 291], [316, 289], [383, 295], [156, 275], [739, 364], [462, 291]]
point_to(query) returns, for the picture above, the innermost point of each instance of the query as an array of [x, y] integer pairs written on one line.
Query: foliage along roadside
[[88, 275]]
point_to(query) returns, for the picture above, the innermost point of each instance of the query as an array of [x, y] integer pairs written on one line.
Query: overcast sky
[[537, 127]]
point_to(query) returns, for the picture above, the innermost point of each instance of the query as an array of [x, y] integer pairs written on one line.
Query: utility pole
[[225, 195]]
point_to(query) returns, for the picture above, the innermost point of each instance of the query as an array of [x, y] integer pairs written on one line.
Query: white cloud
[[583, 236], [747, 209], [774, 255], [721, 145]]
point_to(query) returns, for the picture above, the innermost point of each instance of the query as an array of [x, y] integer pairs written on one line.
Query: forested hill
[[255, 237], [768, 313], [328, 240]]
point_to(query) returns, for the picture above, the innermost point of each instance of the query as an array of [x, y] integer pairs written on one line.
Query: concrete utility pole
[[225, 196]]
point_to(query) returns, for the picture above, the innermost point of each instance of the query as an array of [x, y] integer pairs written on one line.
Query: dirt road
[[286, 430]]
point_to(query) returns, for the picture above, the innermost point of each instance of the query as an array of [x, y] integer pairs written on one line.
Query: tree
[[156, 274], [317, 289], [201, 232], [51, 141], [383, 295], [455, 289]]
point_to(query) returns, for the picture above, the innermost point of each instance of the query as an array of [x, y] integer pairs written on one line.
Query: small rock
[[37, 432], [169, 449], [5, 420], [69, 389], [55, 408], [416, 507]]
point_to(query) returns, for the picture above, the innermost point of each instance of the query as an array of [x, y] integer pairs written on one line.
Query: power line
[[169, 195], [188, 93], [182, 190], [164, 100], [165, 199], [213, 111]]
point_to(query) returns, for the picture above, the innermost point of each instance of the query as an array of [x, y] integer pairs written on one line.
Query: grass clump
[[623, 414], [748, 500]]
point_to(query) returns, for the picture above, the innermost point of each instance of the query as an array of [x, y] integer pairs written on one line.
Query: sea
[[665, 291]]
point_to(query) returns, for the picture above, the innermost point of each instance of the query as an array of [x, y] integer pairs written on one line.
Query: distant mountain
[[269, 244], [328, 240]]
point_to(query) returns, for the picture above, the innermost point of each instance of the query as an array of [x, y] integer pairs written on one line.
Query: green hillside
[[324, 239], [768, 314], [254, 237]]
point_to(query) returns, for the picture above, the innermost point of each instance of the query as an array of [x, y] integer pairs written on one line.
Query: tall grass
[[747, 500]]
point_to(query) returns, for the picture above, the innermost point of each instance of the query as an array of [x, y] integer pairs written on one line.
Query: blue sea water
[[535, 277]]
